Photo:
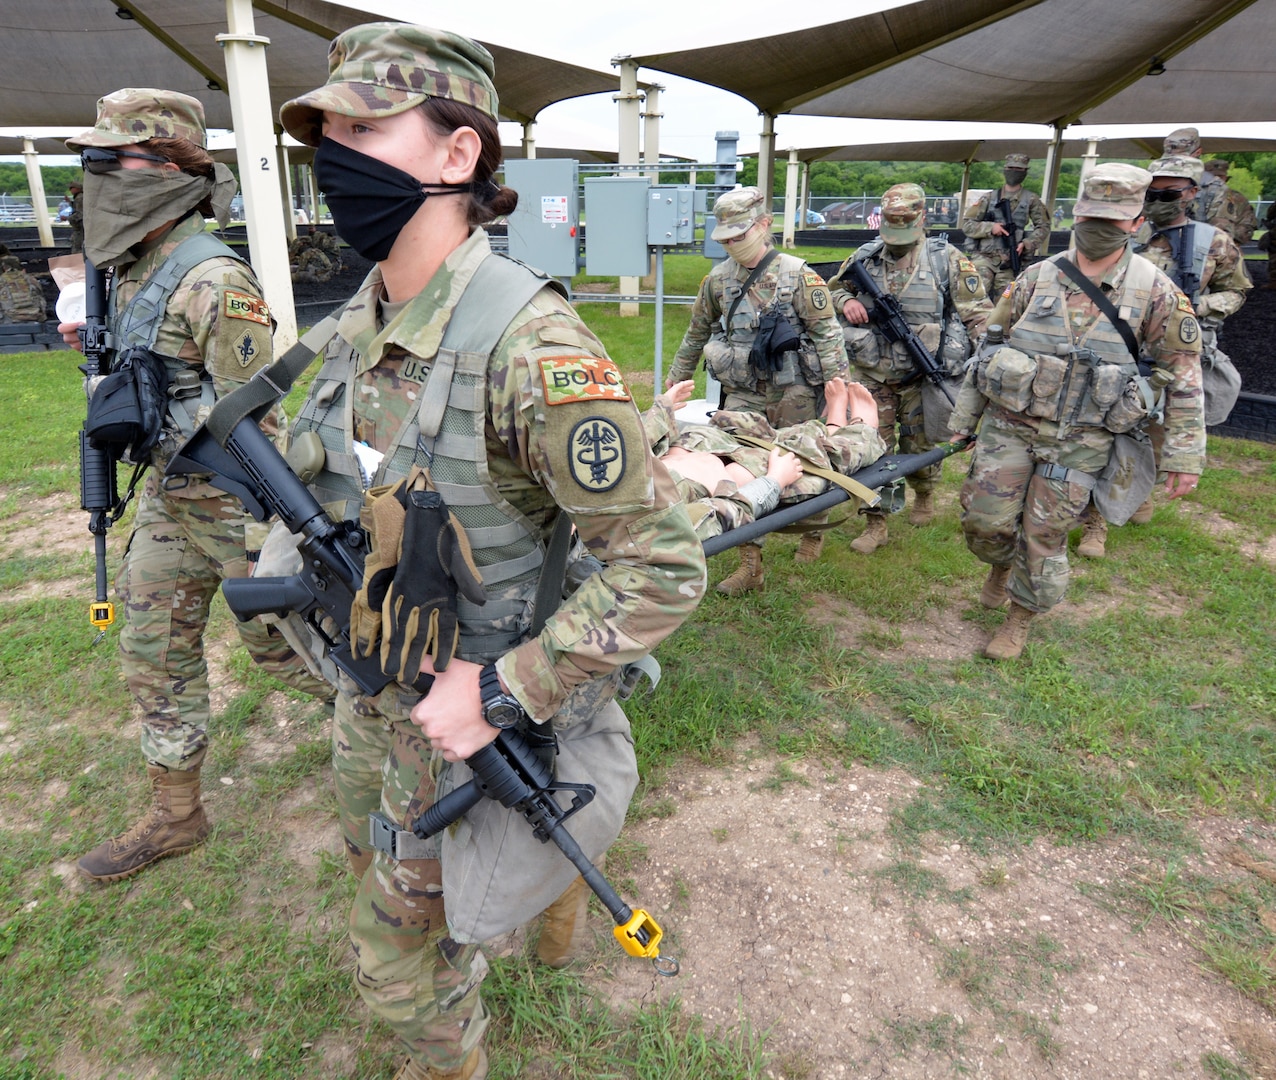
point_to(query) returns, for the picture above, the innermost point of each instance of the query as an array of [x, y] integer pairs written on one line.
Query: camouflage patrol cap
[[736, 211], [1017, 161], [1189, 168], [1182, 141], [385, 68], [1113, 190], [1218, 167], [903, 208], [135, 114], [10, 262]]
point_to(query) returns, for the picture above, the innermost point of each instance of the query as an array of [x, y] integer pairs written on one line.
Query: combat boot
[[1009, 641], [563, 919], [873, 536], [1094, 538], [923, 512], [809, 548], [1144, 513], [174, 824], [473, 1068], [993, 594], [749, 576]]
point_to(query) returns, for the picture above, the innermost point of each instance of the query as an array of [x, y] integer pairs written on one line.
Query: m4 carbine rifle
[[888, 316], [1012, 237]]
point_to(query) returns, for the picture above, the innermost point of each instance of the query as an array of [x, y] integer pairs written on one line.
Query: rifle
[[888, 316], [99, 490], [1012, 237], [245, 463]]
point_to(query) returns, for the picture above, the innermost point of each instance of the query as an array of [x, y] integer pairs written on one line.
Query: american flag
[[874, 219]]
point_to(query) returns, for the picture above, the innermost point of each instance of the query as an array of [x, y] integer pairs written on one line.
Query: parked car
[[814, 220]]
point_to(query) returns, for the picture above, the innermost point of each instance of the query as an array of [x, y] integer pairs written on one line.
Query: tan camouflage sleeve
[[1172, 337], [814, 306], [1036, 238], [563, 414], [704, 314], [967, 291], [841, 290], [972, 223], [1228, 282]]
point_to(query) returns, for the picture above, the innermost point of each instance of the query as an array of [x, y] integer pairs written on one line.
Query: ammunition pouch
[[128, 406], [729, 362], [1005, 377]]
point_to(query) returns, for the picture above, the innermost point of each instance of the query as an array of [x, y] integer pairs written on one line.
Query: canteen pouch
[[1221, 383], [127, 408], [1005, 378]]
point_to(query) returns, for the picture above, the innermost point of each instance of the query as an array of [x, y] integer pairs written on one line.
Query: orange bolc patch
[[237, 305], [581, 378]]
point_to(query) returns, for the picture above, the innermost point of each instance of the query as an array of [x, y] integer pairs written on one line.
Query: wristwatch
[[500, 708]]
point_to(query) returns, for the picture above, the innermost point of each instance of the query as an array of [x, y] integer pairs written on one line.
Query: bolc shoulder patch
[[238, 305], [966, 266], [596, 453], [569, 379], [1184, 304], [811, 279]]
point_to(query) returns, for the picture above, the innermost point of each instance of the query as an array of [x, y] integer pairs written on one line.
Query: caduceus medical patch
[[596, 451]]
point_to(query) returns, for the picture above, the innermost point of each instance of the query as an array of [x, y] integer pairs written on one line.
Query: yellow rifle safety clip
[[101, 614], [640, 936]]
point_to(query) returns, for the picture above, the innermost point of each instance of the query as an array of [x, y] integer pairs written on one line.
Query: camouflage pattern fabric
[[653, 576], [1012, 517], [313, 265], [136, 114], [21, 298], [1227, 209], [1224, 280], [901, 424], [990, 255], [76, 221]]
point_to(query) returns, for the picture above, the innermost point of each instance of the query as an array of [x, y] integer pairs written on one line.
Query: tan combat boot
[[563, 919], [1144, 513], [1009, 641], [1094, 538], [473, 1068], [873, 536], [749, 576], [174, 824], [993, 594], [809, 548], [923, 512]]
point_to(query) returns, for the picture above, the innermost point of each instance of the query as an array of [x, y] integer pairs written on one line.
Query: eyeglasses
[[1172, 194], [736, 239], [96, 160]]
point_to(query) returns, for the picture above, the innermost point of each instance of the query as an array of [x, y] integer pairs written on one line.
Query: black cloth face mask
[[370, 200]]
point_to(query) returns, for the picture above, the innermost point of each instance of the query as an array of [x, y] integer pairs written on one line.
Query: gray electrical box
[[671, 217], [544, 229], [712, 249], [616, 226]]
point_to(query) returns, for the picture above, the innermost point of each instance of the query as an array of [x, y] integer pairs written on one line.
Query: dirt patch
[[51, 525], [943, 634], [791, 908]]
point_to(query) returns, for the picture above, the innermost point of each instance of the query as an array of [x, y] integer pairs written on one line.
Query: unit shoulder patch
[[1184, 304], [581, 378], [1189, 330], [238, 305], [596, 453]]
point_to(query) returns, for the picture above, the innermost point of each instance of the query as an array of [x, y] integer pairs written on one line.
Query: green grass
[[1144, 701]]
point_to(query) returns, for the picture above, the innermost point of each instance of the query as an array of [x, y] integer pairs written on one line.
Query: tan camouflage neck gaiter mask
[[121, 207], [748, 251]]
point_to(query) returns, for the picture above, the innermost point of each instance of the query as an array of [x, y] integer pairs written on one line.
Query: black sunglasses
[[95, 159], [1172, 194]]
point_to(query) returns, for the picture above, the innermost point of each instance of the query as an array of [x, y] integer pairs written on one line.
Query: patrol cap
[[903, 208], [1113, 190], [1218, 167], [135, 114], [1189, 168], [10, 262], [736, 211], [1185, 140], [1017, 161], [385, 68]]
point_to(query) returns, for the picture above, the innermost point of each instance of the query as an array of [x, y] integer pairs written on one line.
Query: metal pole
[[660, 319], [35, 182]]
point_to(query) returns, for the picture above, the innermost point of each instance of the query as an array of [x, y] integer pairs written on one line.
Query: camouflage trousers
[[900, 422], [783, 406], [1014, 516], [410, 972], [178, 554], [995, 273]]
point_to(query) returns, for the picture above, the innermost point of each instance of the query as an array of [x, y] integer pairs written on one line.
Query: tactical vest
[[925, 302], [1200, 236], [444, 433], [1077, 386], [189, 389], [21, 299], [986, 245]]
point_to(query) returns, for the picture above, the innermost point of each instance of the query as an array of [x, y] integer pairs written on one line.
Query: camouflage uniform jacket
[[549, 381], [1223, 280], [21, 298], [904, 277], [810, 304], [1227, 209], [216, 323], [1028, 212], [1168, 333]]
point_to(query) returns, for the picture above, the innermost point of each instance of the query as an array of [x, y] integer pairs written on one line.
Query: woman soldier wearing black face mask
[[988, 232], [457, 370], [1055, 396], [148, 182]]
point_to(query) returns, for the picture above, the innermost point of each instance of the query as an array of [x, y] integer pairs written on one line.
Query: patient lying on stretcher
[[727, 483]]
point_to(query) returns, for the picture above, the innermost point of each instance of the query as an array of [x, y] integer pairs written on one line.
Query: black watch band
[[500, 708]]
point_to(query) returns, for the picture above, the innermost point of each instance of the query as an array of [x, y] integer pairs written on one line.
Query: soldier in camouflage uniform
[[944, 303], [787, 287], [1269, 220], [21, 298], [76, 220], [314, 256], [1226, 208], [147, 153], [1054, 395], [536, 424], [987, 231]]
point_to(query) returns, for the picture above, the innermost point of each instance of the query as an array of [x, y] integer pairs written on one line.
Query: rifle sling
[[1102, 303], [853, 487]]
